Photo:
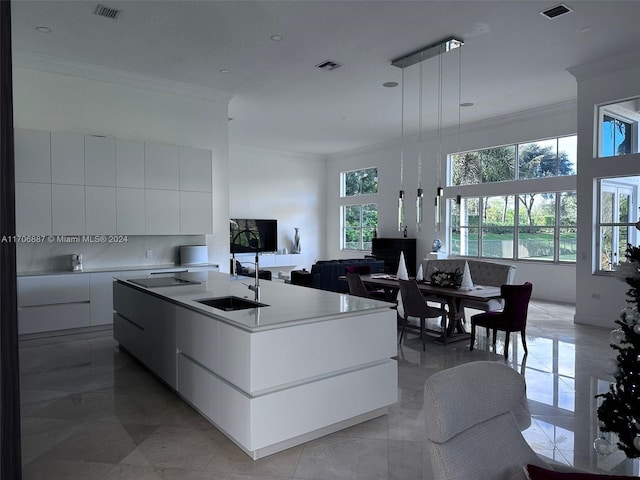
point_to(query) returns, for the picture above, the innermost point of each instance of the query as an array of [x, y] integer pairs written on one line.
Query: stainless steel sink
[[229, 304]]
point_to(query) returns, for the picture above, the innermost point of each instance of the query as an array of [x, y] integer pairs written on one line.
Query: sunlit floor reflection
[[91, 411]]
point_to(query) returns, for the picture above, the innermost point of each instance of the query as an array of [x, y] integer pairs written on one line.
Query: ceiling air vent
[[108, 12], [328, 65], [557, 11]]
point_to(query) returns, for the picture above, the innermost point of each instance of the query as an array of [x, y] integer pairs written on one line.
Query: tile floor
[[91, 412]]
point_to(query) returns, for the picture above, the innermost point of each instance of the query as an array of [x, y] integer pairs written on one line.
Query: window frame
[[357, 200], [614, 185], [615, 111], [557, 227]]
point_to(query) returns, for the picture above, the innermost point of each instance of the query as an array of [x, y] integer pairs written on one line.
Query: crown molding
[[111, 75], [607, 65], [542, 112]]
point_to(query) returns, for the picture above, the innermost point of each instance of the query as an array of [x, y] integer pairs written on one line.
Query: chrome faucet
[[256, 287]]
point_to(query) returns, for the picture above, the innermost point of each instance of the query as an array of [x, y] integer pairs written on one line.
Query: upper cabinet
[[67, 158], [129, 163], [100, 161], [161, 166], [70, 184], [195, 169], [32, 156]]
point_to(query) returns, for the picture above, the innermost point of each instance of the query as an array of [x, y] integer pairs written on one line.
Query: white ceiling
[[513, 59]]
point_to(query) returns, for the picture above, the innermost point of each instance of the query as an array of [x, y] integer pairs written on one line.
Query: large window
[[545, 158], [532, 226], [618, 132], [617, 217], [359, 217], [515, 216]]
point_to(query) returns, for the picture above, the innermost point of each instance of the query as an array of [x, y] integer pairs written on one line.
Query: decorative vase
[[296, 240]]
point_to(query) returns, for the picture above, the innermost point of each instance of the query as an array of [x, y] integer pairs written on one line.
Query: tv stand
[[388, 250]]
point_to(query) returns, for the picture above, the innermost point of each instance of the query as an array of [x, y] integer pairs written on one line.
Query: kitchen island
[[307, 363]]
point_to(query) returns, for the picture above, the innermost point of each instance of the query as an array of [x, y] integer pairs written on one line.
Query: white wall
[[600, 297], [546, 122], [286, 186], [125, 106]]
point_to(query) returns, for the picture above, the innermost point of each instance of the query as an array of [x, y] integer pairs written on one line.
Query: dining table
[[453, 297]]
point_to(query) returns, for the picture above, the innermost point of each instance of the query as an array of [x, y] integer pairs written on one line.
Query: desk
[[452, 296]]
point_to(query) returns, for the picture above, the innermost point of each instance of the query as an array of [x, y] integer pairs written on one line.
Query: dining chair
[[359, 289], [474, 415], [415, 305], [512, 318]]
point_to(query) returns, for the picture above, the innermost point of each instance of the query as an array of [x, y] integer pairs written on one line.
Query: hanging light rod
[[427, 52]]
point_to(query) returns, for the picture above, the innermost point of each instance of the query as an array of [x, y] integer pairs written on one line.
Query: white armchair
[[472, 430]]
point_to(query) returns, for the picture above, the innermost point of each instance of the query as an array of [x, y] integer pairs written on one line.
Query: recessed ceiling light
[[466, 104], [584, 29], [44, 29], [390, 84], [276, 38], [225, 70]]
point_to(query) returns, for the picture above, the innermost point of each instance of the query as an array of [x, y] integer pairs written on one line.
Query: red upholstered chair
[[512, 318]]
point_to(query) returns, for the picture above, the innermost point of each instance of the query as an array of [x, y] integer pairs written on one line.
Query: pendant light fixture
[[403, 62], [420, 192], [401, 192]]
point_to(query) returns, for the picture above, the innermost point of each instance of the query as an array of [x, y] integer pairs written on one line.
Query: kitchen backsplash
[[53, 254]]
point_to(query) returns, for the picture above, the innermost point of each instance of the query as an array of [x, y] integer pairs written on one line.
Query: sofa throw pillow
[[537, 473], [359, 269]]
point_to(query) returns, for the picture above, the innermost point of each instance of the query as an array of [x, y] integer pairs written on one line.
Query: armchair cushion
[[537, 473]]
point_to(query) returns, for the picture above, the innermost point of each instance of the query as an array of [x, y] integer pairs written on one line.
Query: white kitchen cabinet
[[195, 169], [100, 210], [161, 166], [196, 213], [67, 158], [68, 209], [99, 161], [129, 163], [32, 156], [101, 297], [130, 211], [145, 325], [53, 302], [162, 212], [33, 208]]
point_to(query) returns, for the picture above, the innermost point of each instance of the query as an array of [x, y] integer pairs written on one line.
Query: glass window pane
[[567, 246], [367, 235], [370, 215], [469, 211], [454, 213], [464, 242], [352, 215], [352, 238], [616, 136], [497, 242], [498, 164], [536, 246], [466, 168], [537, 209], [567, 155], [606, 245], [538, 159], [624, 199], [360, 182], [498, 211], [606, 206], [568, 208]]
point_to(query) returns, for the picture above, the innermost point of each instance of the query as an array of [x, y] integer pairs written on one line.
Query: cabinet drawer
[[53, 317], [130, 336], [53, 289]]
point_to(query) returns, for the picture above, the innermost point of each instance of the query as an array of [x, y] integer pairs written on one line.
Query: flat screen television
[[243, 241]]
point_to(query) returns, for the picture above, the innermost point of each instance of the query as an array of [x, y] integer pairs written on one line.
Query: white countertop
[[287, 304], [125, 268]]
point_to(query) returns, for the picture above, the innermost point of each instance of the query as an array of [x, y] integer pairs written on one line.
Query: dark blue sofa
[[325, 274]]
